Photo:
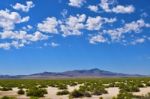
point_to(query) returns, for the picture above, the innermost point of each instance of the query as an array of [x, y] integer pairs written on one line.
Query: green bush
[[64, 92], [62, 87], [21, 92], [36, 92], [6, 97], [77, 94], [87, 94], [124, 95], [5, 89]]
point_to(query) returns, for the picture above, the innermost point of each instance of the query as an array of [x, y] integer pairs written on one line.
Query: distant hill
[[73, 74]]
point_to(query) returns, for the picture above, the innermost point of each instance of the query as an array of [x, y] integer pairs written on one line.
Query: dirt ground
[[52, 93]]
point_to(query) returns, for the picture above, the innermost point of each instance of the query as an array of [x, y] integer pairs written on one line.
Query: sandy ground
[[112, 91], [143, 91], [13, 93], [52, 93]]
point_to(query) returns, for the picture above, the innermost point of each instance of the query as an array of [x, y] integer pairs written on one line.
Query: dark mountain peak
[[95, 69], [95, 72]]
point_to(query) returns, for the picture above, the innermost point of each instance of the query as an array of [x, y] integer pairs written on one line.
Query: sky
[[61, 35]]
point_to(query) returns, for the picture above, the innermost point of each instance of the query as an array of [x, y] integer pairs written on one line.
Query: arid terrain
[[97, 88]]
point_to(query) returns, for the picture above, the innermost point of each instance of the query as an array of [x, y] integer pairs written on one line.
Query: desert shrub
[[73, 84], [61, 87], [112, 85], [36, 92], [99, 91], [143, 97], [129, 88], [87, 94], [6, 97], [21, 92], [64, 92], [77, 94], [43, 86], [148, 84], [100, 97], [124, 95], [141, 85], [5, 89]]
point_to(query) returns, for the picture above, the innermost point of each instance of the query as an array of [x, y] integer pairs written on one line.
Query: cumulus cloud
[[76, 3], [108, 6], [23, 35], [49, 25], [123, 9], [15, 44], [9, 19], [95, 23], [93, 8], [105, 5], [20, 38], [119, 34], [73, 25], [97, 39], [5, 45], [24, 8]]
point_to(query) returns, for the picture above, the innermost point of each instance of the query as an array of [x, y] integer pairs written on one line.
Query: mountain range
[[73, 74]]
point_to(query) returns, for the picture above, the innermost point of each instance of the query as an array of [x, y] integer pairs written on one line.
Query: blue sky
[[60, 35]]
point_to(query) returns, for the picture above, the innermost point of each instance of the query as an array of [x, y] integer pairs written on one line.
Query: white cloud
[[120, 34], [27, 28], [49, 25], [108, 6], [5, 46], [98, 39], [95, 23], [53, 44], [25, 19], [134, 27], [15, 44], [25, 8], [73, 25], [123, 9], [9, 19], [93, 8], [23, 35], [76, 3], [105, 5], [37, 36], [20, 38], [138, 41]]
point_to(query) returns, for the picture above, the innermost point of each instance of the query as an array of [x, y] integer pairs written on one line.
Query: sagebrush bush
[[64, 92], [21, 92], [6, 97], [87, 94], [37, 92], [77, 94], [5, 88]]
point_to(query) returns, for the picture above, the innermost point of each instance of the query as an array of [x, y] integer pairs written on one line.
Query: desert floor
[[112, 91]]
